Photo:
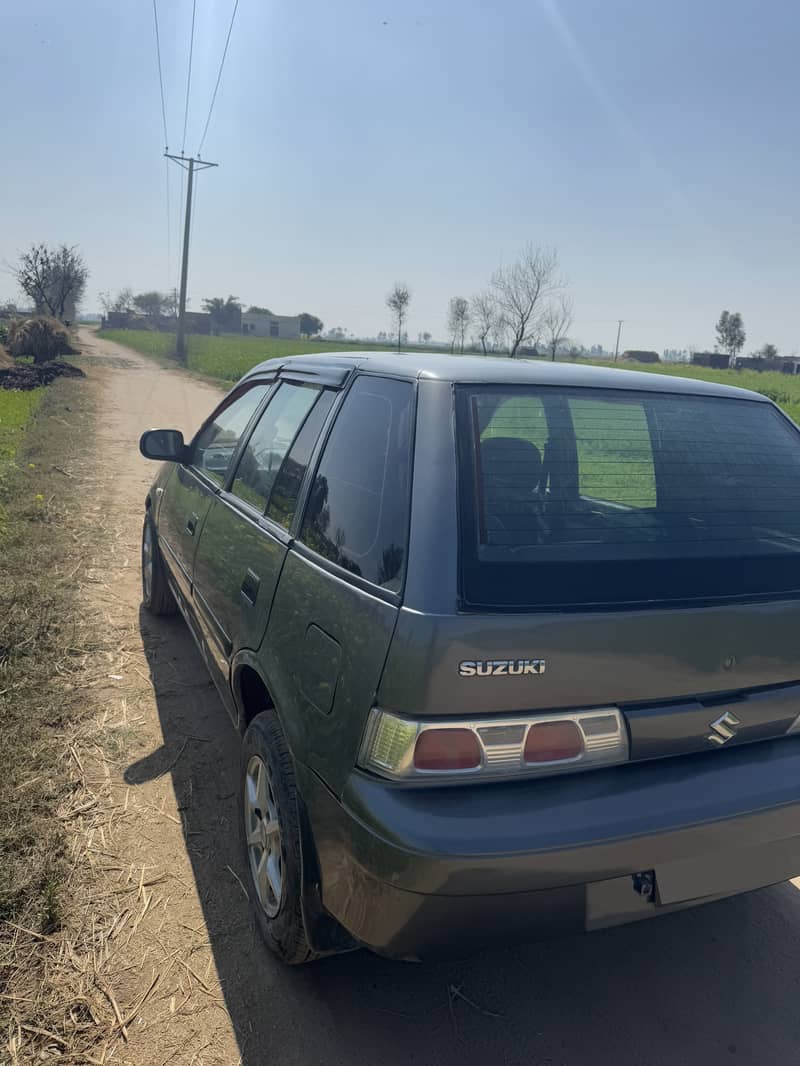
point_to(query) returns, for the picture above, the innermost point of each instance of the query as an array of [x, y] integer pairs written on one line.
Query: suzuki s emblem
[[723, 728], [500, 667]]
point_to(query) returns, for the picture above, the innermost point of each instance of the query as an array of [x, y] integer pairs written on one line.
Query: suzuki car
[[513, 646]]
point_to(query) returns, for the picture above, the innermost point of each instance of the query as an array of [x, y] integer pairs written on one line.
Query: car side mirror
[[164, 444]]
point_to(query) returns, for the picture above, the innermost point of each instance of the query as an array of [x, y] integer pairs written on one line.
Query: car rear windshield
[[583, 497]]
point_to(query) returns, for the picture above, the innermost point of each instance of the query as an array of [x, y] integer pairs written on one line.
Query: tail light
[[401, 748]]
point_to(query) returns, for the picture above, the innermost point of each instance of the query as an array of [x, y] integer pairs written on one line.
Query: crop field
[[784, 389], [229, 356]]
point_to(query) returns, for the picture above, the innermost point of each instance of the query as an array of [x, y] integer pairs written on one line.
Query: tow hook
[[645, 884]]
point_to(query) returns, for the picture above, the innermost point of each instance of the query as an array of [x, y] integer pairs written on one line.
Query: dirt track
[[715, 985]]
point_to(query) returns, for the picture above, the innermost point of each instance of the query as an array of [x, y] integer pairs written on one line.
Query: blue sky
[[364, 141]]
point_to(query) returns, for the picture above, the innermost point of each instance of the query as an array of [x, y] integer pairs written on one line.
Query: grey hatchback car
[[513, 646]]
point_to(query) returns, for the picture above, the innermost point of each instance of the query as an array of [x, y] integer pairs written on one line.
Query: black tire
[[283, 930], [157, 596]]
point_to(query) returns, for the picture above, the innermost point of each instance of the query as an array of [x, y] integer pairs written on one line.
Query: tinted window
[[270, 441], [216, 442], [578, 496], [286, 489], [357, 514]]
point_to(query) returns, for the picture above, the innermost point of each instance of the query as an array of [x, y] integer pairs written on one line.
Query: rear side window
[[286, 489], [357, 513], [574, 497], [270, 441]]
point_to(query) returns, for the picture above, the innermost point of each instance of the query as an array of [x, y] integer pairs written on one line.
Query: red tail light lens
[[552, 741], [447, 749]]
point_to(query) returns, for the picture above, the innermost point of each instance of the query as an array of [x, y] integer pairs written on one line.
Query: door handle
[[249, 587], [191, 523]]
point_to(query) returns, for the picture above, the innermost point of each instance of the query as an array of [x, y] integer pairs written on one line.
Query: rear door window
[[270, 441], [358, 508], [286, 490], [588, 497]]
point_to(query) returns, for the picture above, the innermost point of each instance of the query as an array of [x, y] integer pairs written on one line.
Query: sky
[[654, 145]]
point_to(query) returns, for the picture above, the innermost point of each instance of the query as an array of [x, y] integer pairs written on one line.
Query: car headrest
[[507, 457]]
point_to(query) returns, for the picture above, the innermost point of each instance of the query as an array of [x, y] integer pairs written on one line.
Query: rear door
[[245, 537], [191, 488], [337, 600]]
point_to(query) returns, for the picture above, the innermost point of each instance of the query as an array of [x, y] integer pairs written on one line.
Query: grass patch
[[16, 409], [229, 357], [42, 645]]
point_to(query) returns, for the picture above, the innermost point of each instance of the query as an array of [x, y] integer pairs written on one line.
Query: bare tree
[[556, 323], [397, 301], [54, 278], [123, 301], [458, 318], [485, 317], [522, 289]]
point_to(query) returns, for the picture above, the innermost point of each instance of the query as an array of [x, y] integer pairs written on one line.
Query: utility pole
[[619, 330], [190, 164]]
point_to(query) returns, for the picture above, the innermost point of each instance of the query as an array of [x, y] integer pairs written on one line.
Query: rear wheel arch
[[251, 693]]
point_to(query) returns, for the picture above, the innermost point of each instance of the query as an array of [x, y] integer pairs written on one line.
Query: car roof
[[498, 370]]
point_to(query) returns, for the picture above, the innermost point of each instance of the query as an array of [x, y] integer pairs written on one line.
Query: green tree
[[769, 351], [310, 325], [151, 303], [226, 315], [730, 333], [255, 310]]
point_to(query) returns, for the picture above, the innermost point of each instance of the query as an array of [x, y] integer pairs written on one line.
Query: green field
[[784, 389], [229, 356], [15, 410]]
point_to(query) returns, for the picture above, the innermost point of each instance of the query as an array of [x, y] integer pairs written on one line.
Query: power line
[[219, 75], [160, 78], [188, 78]]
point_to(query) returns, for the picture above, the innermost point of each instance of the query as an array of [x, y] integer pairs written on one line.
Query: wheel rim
[[147, 561], [263, 835]]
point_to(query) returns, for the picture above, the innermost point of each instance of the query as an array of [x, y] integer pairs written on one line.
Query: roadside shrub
[[41, 338]]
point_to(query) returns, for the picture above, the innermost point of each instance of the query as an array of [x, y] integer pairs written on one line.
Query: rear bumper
[[411, 872]]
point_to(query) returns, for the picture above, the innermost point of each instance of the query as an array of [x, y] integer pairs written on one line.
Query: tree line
[[524, 306], [225, 312]]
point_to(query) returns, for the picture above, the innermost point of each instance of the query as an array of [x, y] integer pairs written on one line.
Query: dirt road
[[716, 985]]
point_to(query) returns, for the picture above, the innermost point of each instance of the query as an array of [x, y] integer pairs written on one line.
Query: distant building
[[715, 360], [636, 355], [196, 321], [258, 324]]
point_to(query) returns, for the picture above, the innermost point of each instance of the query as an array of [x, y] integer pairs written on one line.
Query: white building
[[257, 324]]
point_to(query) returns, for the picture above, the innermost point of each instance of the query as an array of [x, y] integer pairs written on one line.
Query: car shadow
[[714, 984]]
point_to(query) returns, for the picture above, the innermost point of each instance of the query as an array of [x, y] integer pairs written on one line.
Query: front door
[[245, 537], [191, 489]]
